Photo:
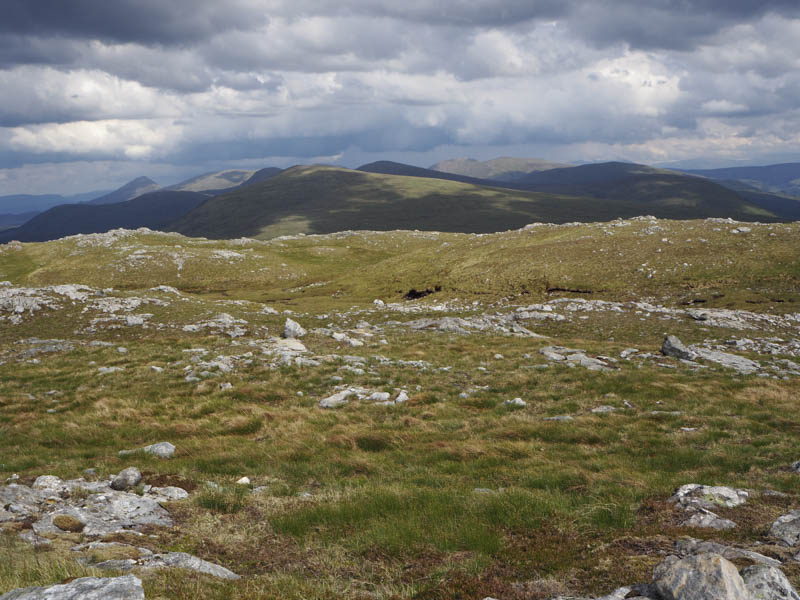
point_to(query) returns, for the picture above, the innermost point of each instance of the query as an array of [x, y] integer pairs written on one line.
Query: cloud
[[169, 84]]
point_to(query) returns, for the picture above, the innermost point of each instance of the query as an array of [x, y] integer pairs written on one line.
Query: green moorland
[[453, 494], [321, 199]]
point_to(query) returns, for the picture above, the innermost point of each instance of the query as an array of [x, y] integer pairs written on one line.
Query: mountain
[[132, 189], [658, 189], [388, 167], [27, 203], [154, 210], [262, 175], [322, 199], [787, 207], [781, 178], [499, 169], [214, 182], [15, 220]]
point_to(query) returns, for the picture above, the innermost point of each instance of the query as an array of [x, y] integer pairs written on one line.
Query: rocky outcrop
[[127, 587], [161, 450]]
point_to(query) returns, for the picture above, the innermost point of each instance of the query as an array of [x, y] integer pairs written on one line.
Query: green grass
[[381, 501]]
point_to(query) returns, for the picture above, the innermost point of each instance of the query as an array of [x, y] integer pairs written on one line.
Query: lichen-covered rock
[[703, 576], [768, 583], [127, 587]]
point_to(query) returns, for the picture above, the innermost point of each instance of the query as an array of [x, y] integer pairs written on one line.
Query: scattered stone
[[379, 396], [127, 587], [293, 330], [156, 369], [603, 409], [559, 418], [126, 479], [160, 449], [108, 370], [243, 481], [516, 403], [672, 346], [401, 397], [336, 400], [703, 576]]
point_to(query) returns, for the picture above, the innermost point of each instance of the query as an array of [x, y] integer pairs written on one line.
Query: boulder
[[703, 576], [336, 400], [787, 528], [168, 560], [161, 450], [672, 346], [127, 587], [126, 479], [768, 583], [292, 330]]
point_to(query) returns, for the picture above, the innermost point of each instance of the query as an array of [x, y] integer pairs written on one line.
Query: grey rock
[[161, 450], [768, 583], [742, 365], [786, 528], [559, 418], [709, 520], [292, 330], [796, 466], [672, 346], [688, 546], [167, 494], [516, 403], [336, 400], [699, 577], [127, 587], [169, 560], [709, 496], [127, 478]]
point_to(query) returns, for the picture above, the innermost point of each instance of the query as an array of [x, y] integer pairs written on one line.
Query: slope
[[505, 168], [328, 199], [153, 210], [783, 178], [213, 182], [129, 191]]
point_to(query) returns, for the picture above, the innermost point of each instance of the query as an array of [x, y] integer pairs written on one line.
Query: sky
[[94, 93]]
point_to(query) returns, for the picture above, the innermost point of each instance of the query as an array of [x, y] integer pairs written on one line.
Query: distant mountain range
[[155, 210], [388, 195], [782, 179]]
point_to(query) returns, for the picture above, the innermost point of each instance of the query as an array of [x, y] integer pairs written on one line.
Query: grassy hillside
[[154, 210], [501, 169], [327, 199], [214, 181]]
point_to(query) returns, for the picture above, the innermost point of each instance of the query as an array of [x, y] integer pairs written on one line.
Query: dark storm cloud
[[144, 21], [667, 24], [182, 82]]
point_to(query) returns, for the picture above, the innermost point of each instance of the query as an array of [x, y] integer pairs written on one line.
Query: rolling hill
[[154, 210], [505, 168], [781, 178], [328, 199], [213, 182], [129, 191]]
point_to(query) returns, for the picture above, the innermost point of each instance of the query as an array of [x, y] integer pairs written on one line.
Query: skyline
[[95, 94]]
